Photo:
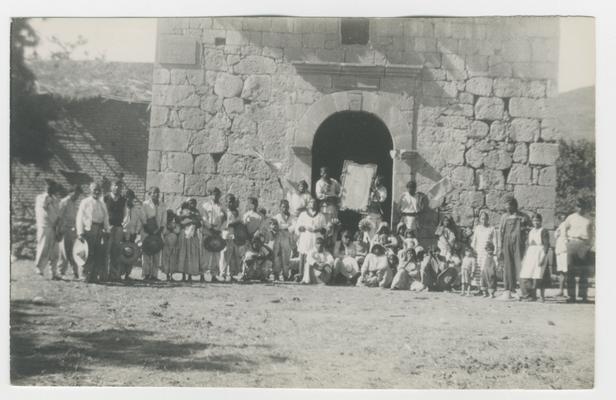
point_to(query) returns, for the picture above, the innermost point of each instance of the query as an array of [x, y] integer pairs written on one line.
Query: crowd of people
[[306, 242]]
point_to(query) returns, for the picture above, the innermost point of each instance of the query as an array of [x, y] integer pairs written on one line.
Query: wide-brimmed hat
[[378, 246], [152, 244], [129, 253], [214, 243], [447, 277], [80, 252], [240, 233]]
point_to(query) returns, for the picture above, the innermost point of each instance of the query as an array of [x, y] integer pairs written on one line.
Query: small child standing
[[469, 265], [171, 248], [251, 218], [488, 272]]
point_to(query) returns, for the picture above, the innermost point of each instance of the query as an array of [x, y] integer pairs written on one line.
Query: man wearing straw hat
[[68, 217], [91, 223]]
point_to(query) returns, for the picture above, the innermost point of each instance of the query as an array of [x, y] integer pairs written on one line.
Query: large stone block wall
[[475, 110]]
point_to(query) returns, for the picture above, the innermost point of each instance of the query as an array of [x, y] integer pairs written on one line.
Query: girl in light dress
[[482, 235], [534, 274], [171, 246], [560, 248], [346, 253], [310, 225], [190, 253], [251, 218], [446, 237], [468, 269], [281, 227]]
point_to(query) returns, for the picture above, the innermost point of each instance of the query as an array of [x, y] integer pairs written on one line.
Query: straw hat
[[129, 253], [152, 244], [80, 252], [214, 243]]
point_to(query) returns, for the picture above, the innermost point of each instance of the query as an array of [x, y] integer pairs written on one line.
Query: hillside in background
[[131, 82], [575, 113]]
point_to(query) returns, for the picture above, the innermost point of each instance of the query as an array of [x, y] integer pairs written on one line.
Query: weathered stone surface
[[177, 162], [548, 217], [231, 164], [547, 176], [495, 200], [524, 129], [208, 141], [519, 174], [550, 134], [154, 160], [474, 157], [158, 116], [161, 76], [196, 185], [530, 197], [498, 159], [211, 103], [520, 154], [173, 95], [228, 85], [536, 89], [243, 125], [490, 108], [204, 164], [257, 88], [169, 139], [466, 98], [234, 106], [543, 153], [499, 130], [215, 60], [171, 182], [473, 198], [244, 144], [187, 77], [478, 129], [463, 177], [526, 107], [255, 65], [453, 121], [480, 86], [490, 179], [508, 87], [257, 169], [192, 118]]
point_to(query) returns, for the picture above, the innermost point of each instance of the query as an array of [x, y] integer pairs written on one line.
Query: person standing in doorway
[[46, 211], [327, 191], [68, 216], [155, 219], [116, 204], [412, 206], [514, 226], [91, 224], [579, 232]]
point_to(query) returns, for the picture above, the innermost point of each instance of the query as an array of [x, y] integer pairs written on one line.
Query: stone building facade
[[464, 98]]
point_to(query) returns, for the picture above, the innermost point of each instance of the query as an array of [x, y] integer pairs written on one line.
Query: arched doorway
[[356, 136]]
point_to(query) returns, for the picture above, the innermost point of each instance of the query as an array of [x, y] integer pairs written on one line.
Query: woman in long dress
[[533, 272], [482, 235], [310, 225], [190, 253], [512, 239]]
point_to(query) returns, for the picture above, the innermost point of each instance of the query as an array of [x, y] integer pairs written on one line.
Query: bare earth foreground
[[70, 333]]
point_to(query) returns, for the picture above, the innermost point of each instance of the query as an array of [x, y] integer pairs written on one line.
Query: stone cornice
[[356, 69]]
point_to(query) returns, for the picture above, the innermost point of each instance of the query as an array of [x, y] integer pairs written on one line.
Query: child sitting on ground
[[375, 270], [488, 272], [469, 264], [257, 261], [319, 264]]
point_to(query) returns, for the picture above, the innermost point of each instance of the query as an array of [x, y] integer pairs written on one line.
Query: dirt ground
[[286, 335]]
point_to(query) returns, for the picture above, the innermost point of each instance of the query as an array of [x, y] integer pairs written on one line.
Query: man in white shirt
[[47, 212], [328, 191], [298, 199], [91, 223], [412, 205], [68, 217], [155, 221], [579, 232]]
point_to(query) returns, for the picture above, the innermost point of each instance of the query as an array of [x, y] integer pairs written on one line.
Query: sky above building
[[133, 40]]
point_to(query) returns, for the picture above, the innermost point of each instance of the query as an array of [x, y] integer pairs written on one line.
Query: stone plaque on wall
[[177, 50]]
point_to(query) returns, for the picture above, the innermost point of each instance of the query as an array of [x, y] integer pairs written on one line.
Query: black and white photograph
[[277, 201]]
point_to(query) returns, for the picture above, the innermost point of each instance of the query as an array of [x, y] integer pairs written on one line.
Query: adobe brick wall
[[93, 139], [468, 94]]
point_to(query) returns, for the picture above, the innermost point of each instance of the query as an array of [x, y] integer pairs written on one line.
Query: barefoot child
[[469, 265], [319, 264], [488, 272]]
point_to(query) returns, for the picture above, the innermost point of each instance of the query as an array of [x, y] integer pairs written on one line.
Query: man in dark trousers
[[116, 204]]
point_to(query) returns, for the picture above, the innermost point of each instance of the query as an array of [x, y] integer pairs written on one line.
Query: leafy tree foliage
[[576, 174]]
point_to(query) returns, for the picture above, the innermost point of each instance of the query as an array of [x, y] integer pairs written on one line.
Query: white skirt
[[534, 263]]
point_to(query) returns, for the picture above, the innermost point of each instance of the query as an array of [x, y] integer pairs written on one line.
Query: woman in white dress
[[533, 272], [310, 225], [482, 235], [560, 248]]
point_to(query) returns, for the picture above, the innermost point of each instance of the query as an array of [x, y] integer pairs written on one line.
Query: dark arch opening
[[356, 136]]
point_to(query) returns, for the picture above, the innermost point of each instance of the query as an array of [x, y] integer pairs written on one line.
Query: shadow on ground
[[79, 351]]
